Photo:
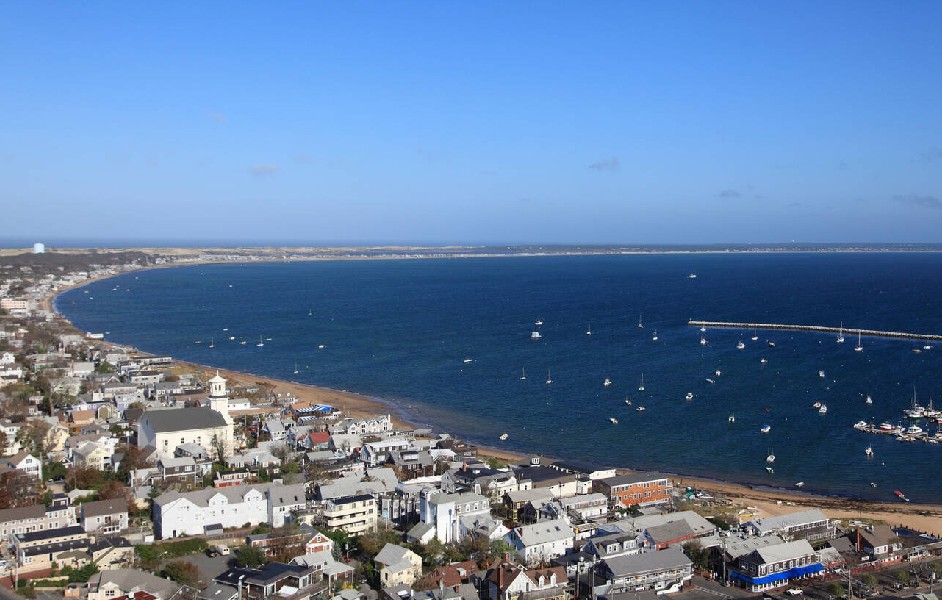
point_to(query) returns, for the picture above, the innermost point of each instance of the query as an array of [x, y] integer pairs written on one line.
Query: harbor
[[817, 328]]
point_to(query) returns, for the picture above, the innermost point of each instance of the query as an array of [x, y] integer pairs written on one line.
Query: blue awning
[[792, 573]]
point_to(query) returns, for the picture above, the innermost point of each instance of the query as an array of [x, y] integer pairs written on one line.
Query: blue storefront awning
[[792, 573]]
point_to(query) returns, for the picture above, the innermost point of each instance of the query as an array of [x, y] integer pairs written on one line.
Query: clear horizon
[[483, 123]]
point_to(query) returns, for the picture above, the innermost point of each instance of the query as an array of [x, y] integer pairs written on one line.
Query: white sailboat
[[654, 337], [731, 418], [296, 371], [212, 342], [641, 387], [588, 330], [771, 457], [640, 323], [859, 348], [840, 334], [549, 377], [523, 373], [607, 382], [755, 334], [741, 345], [260, 343]]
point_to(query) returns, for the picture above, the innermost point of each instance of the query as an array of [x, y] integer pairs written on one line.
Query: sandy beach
[[764, 501]]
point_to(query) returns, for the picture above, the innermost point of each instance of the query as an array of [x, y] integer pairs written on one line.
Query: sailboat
[[640, 323], [654, 337], [840, 334], [859, 348], [212, 343], [260, 343], [523, 373], [588, 330], [771, 457], [755, 334], [731, 418], [296, 371], [641, 387], [549, 377], [741, 345], [607, 382]]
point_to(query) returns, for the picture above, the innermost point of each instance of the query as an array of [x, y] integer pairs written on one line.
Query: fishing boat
[[503, 437], [915, 411], [931, 412], [703, 341], [613, 420], [858, 348], [821, 374], [799, 484], [641, 387], [261, 343], [823, 409], [523, 373], [869, 451], [884, 426], [769, 470], [766, 428], [640, 409], [741, 345], [535, 335], [607, 382], [689, 396], [901, 495], [549, 377]]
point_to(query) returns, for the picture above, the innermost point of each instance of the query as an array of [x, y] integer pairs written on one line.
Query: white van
[[222, 549]]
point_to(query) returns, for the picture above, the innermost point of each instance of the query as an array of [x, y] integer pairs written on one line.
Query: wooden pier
[[817, 328]]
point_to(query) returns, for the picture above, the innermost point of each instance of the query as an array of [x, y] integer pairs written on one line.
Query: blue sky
[[471, 122]]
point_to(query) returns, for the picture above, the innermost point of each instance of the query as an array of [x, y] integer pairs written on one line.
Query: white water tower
[[39, 248]]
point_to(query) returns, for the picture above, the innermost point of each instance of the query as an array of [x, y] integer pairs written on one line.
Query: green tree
[[836, 589], [902, 576], [869, 580], [697, 554], [183, 572], [251, 557], [371, 543]]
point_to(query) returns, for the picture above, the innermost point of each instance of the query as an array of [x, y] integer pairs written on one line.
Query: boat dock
[[818, 328]]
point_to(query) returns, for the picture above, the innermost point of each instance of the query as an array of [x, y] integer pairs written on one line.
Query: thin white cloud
[[933, 202], [218, 117], [611, 164], [262, 170]]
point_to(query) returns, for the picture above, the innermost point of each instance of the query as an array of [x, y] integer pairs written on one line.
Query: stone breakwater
[[817, 328]]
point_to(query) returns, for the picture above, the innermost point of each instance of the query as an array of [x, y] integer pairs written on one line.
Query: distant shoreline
[[772, 500]]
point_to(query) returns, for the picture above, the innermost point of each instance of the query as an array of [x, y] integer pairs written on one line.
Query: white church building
[[165, 429]]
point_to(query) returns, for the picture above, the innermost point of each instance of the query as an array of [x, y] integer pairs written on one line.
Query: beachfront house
[[808, 525], [637, 489], [775, 566]]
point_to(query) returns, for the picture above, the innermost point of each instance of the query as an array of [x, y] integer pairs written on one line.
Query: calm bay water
[[401, 330]]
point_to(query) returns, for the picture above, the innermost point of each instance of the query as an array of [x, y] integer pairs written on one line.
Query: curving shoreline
[[771, 501]]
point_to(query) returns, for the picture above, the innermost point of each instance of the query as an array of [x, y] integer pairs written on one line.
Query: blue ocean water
[[402, 329]]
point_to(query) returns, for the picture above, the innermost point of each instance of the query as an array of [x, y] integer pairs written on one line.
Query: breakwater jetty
[[817, 328]]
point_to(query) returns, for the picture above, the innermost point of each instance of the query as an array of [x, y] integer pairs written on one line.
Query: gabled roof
[[544, 532], [183, 419], [671, 558], [101, 508], [783, 552]]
